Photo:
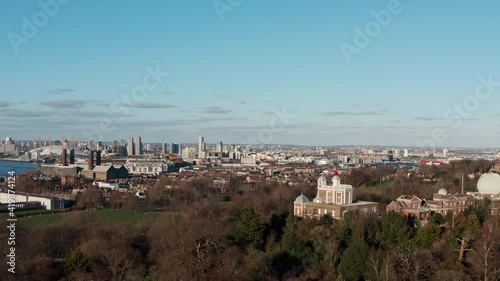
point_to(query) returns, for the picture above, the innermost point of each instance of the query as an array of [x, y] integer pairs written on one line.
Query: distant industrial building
[[106, 173]]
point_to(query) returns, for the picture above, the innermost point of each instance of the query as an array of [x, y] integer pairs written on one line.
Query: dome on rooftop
[[302, 199], [489, 184], [443, 191]]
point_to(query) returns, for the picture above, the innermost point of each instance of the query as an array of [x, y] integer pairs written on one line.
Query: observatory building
[[488, 187], [332, 200]]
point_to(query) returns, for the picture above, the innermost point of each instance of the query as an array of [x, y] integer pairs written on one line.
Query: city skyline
[[264, 73]]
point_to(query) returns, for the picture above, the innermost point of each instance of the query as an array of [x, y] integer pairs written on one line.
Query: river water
[[18, 167]]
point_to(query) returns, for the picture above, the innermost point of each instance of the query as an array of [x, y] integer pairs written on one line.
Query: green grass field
[[106, 216]]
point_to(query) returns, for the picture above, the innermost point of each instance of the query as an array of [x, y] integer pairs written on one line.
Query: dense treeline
[[205, 235]]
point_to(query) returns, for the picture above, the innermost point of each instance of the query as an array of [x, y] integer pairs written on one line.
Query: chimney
[[98, 158], [64, 157], [72, 156], [91, 159]]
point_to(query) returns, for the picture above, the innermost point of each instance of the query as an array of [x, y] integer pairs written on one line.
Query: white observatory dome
[[443, 191], [489, 184]]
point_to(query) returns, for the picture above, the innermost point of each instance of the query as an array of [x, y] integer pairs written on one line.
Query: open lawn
[[105, 216]]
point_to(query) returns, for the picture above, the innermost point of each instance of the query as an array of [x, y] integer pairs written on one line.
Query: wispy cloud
[[354, 113], [395, 121], [151, 105], [16, 113], [222, 96], [4, 104], [60, 91], [427, 118], [215, 110], [168, 93], [64, 103], [436, 118]]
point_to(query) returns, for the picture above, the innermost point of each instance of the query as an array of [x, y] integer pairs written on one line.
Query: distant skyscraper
[[219, 147], [115, 147], [407, 154], [175, 148], [202, 147], [446, 153], [189, 153], [130, 147], [397, 153], [164, 148], [138, 146]]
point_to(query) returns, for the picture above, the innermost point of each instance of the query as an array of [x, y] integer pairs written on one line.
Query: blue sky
[[229, 74]]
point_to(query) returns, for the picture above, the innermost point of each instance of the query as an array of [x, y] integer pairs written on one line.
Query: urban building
[[332, 200], [443, 203], [219, 148], [446, 153], [106, 173], [148, 166], [410, 205], [190, 153], [175, 148], [47, 201], [138, 146], [202, 147], [131, 147]]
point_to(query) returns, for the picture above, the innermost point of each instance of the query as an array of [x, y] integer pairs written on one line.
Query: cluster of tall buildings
[[134, 146]]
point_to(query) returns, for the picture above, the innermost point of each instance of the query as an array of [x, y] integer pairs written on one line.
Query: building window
[[339, 198], [333, 213], [329, 197]]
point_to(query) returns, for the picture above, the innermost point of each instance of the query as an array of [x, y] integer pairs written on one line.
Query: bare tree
[[487, 251]]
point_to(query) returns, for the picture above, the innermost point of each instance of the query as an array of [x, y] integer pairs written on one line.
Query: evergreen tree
[[352, 264], [78, 262], [250, 229]]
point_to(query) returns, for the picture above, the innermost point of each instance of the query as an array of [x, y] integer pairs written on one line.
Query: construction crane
[[79, 142], [62, 141], [33, 141], [39, 142], [73, 143], [50, 143]]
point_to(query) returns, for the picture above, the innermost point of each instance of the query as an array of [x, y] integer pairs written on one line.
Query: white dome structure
[[322, 181], [443, 191], [301, 199], [489, 184]]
